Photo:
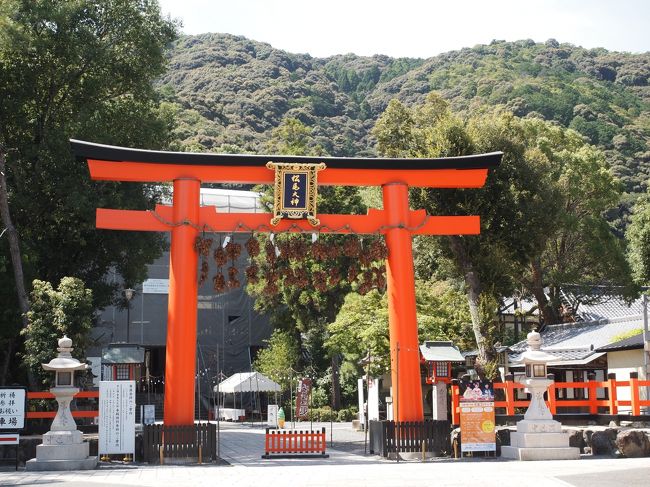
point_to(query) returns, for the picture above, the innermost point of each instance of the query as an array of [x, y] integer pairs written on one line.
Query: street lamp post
[[128, 294]]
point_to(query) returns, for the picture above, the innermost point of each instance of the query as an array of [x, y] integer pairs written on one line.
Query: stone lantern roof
[[64, 361], [534, 355]]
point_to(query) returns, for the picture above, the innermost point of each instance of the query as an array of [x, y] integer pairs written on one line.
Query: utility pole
[[646, 344]]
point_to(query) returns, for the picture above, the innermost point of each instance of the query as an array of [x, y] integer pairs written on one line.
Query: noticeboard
[[116, 417], [13, 406], [149, 413], [477, 416]]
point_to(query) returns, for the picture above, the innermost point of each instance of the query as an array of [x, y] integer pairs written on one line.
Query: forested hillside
[[232, 91]]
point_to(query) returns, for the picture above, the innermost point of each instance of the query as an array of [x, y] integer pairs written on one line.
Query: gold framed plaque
[[296, 191]]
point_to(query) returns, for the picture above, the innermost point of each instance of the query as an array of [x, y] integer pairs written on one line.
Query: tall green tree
[[580, 247], [509, 204], [638, 238], [83, 69], [361, 326], [279, 359]]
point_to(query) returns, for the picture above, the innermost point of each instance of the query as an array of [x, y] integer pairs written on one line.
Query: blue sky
[[417, 28]]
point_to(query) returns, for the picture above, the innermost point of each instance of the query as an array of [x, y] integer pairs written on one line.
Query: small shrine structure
[[438, 357]]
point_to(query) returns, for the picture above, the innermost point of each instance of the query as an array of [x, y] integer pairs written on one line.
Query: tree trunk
[[336, 384], [549, 315], [9, 350], [473, 282], [14, 251], [14, 244]]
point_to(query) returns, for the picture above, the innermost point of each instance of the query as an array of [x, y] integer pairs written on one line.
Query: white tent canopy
[[247, 382]]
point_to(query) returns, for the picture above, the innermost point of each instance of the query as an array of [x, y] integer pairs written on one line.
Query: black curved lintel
[[88, 150]]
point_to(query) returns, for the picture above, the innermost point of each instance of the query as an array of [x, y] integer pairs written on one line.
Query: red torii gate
[[186, 217]]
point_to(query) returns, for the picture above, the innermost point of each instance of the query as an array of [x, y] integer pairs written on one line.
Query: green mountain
[[229, 93]]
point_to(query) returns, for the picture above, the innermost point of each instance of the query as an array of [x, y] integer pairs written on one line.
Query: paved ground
[[242, 446]]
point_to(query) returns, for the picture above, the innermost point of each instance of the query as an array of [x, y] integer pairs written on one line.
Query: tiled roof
[[602, 306], [577, 341], [528, 306], [441, 352], [630, 343]]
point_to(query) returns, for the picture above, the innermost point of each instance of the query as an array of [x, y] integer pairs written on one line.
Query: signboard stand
[[116, 418], [13, 407], [477, 417]]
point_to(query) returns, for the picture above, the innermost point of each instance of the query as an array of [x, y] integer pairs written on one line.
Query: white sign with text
[[12, 408], [116, 417]]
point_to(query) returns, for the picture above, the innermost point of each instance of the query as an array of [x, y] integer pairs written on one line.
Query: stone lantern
[[63, 447], [538, 436]]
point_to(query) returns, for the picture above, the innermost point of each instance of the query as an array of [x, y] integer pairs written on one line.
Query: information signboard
[[149, 414], [155, 286], [116, 417], [272, 416], [13, 402], [477, 416]]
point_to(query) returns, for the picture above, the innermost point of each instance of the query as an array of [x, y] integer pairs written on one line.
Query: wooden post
[[613, 399], [552, 402], [634, 393], [510, 394], [593, 396], [455, 402]]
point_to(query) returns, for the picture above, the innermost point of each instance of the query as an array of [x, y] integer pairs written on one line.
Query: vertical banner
[[116, 417], [373, 400], [302, 398], [477, 416], [361, 383]]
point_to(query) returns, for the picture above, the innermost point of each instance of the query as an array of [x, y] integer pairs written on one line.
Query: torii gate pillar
[[403, 327], [180, 368]]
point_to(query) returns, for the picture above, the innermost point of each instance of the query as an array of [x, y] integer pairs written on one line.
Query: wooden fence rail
[[610, 404], [77, 413], [197, 442], [294, 443]]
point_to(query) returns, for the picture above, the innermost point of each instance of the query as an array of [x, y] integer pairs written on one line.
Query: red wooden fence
[[591, 404], [50, 414], [294, 443]]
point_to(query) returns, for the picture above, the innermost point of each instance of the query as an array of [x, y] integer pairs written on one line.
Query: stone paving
[[242, 446]]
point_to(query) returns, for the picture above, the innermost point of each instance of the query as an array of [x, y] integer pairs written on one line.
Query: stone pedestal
[[63, 447], [62, 450], [540, 440]]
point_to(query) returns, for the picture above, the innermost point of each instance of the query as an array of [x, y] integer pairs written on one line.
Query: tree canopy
[[81, 69], [541, 209]]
